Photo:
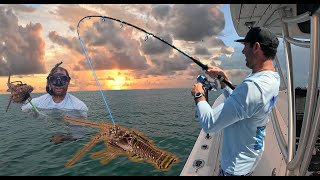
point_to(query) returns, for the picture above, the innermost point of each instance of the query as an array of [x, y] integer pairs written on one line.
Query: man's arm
[[241, 104]]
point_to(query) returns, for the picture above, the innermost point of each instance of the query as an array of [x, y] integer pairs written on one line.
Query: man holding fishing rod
[[57, 97], [243, 115]]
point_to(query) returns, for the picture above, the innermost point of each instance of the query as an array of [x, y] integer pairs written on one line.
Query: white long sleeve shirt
[[242, 117], [45, 101]]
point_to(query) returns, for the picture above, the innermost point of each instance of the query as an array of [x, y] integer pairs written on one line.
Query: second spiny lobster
[[19, 92]]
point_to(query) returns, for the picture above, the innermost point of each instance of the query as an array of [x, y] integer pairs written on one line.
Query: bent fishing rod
[[203, 66], [103, 18]]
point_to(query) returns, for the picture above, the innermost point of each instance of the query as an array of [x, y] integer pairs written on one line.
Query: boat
[[292, 143]]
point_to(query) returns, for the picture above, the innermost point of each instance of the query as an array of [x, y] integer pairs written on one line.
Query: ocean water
[[166, 116]]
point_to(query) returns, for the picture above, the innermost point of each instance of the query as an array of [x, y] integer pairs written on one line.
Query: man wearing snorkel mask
[[58, 98]]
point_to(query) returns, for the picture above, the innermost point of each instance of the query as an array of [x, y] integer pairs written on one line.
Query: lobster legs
[[94, 140], [120, 140]]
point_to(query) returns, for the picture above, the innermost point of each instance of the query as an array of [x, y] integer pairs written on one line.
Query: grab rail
[[300, 43], [291, 94], [297, 19], [313, 86], [302, 156]]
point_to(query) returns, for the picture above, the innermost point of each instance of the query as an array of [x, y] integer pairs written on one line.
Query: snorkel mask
[[56, 79]]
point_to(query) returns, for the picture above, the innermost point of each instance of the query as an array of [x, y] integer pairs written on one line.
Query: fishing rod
[[103, 19], [203, 66]]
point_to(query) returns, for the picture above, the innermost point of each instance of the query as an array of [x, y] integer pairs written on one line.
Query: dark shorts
[[223, 173]]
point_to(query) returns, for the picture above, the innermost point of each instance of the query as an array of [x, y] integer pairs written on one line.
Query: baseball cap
[[261, 35]]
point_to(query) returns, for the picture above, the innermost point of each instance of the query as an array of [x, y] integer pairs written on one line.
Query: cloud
[[21, 8], [194, 22], [110, 47], [107, 47], [73, 13], [71, 43], [228, 51], [114, 60], [160, 11], [107, 34], [201, 50], [215, 42], [21, 48], [154, 46], [235, 61]]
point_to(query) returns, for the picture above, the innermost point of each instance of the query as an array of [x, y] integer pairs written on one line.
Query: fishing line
[[33, 106], [95, 76]]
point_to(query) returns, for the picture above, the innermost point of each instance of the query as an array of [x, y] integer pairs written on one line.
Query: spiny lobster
[[122, 141], [19, 92]]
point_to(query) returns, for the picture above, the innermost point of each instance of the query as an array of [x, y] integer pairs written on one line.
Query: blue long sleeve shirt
[[242, 117]]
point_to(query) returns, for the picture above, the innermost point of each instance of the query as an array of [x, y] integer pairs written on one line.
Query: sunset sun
[[118, 83]]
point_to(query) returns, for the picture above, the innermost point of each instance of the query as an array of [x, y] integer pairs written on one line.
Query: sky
[[33, 38]]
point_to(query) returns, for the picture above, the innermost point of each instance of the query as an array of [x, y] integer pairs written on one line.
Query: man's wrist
[[202, 98]]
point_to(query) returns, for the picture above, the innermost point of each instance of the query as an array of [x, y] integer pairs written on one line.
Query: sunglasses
[[58, 79]]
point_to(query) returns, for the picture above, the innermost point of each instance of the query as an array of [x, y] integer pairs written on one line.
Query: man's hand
[[197, 87], [214, 71]]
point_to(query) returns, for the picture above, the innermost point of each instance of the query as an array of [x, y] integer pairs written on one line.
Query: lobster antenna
[[9, 77]]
